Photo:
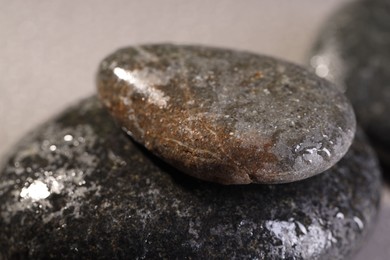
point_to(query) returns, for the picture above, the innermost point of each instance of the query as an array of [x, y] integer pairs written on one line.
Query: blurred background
[[50, 50]]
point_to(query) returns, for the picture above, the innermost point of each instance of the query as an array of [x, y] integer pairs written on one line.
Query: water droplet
[[68, 138], [36, 191], [359, 222]]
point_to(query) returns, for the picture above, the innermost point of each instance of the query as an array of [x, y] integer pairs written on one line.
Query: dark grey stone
[[227, 116], [353, 51], [79, 188]]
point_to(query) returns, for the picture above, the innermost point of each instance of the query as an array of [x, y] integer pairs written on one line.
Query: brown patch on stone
[[256, 76], [183, 146]]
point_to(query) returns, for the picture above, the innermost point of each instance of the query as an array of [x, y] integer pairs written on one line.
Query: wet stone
[[227, 116], [78, 188], [353, 51]]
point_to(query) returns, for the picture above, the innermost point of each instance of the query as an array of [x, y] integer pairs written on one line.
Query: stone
[[227, 116], [80, 188], [353, 51]]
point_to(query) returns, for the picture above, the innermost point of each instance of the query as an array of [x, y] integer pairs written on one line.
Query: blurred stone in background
[[353, 51]]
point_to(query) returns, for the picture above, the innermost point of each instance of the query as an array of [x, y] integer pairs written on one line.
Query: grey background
[[50, 49]]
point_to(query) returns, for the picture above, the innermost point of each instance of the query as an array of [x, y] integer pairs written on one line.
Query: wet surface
[[78, 187], [227, 116]]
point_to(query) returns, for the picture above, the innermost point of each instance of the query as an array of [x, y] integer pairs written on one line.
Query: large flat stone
[[78, 187]]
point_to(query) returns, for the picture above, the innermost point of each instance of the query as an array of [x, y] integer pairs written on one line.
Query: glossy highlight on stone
[[79, 188], [227, 116], [353, 51]]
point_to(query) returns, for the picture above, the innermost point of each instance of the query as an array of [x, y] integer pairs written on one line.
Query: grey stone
[[353, 51], [227, 116], [79, 188]]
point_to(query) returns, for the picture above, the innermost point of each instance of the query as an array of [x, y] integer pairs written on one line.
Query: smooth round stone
[[353, 51], [227, 116], [78, 187]]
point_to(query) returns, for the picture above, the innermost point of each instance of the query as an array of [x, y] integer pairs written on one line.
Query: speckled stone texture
[[353, 51], [78, 187], [227, 116]]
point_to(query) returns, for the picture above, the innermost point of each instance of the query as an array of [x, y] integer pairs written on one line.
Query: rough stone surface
[[79, 188], [353, 51], [227, 116]]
